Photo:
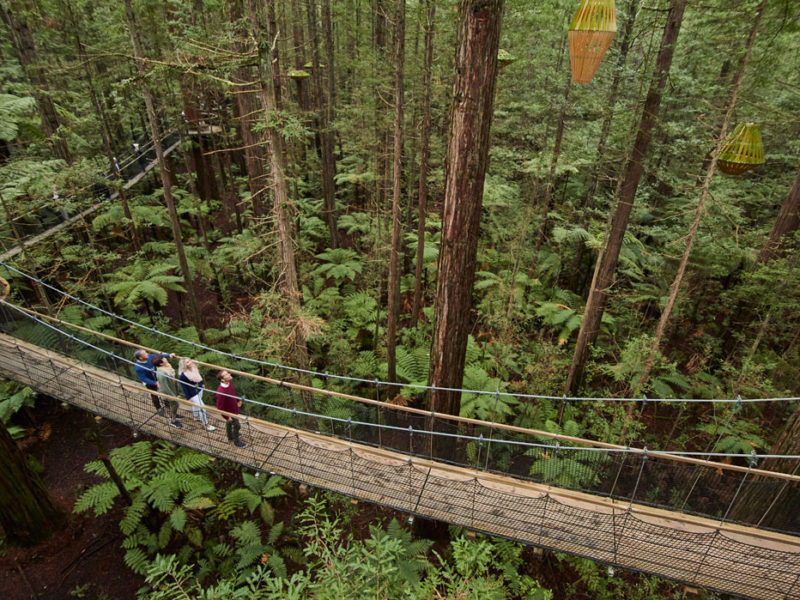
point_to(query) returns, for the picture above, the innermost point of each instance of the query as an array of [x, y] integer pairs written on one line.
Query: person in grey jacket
[[165, 375]]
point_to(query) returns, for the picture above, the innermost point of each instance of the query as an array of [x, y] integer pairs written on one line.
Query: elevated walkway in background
[[704, 552], [136, 178]]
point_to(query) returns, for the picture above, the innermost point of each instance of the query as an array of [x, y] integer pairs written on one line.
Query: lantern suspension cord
[[326, 375], [350, 421]]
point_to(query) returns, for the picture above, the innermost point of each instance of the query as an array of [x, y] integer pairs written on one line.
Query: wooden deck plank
[[701, 552]]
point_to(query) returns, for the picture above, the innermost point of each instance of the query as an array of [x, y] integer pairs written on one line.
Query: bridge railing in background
[[704, 486]]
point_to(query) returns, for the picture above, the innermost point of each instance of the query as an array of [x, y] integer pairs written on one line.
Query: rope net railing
[[378, 387], [690, 483], [711, 554]]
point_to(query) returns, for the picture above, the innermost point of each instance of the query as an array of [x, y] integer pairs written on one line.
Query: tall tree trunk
[[381, 130], [424, 157], [280, 187], [701, 204], [467, 156], [551, 176], [787, 221], [299, 56], [325, 98], [607, 262], [247, 105], [22, 41], [105, 132], [626, 34], [393, 292], [162, 166], [28, 514]]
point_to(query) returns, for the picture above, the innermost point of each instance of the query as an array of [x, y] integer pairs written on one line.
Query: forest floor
[[84, 559]]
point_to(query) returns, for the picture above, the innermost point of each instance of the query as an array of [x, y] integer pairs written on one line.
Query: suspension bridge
[[708, 520]]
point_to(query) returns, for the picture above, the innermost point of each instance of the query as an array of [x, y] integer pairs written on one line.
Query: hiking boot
[[239, 444], [176, 425]]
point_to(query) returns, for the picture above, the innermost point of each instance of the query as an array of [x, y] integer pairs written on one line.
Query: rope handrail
[[676, 456], [619, 527], [377, 382]]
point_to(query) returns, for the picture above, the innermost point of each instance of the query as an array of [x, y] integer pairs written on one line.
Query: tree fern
[[247, 533], [412, 365], [100, 498], [235, 500], [133, 515], [137, 560], [177, 518], [164, 534]]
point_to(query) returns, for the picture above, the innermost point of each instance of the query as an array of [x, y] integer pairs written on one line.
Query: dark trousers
[[232, 427], [156, 400]]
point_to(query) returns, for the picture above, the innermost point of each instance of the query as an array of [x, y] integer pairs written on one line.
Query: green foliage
[[664, 376], [733, 435], [562, 465], [13, 397], [340, 264], [13, 110], [143, 281]]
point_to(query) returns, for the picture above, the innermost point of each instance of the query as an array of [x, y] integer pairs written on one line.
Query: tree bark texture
[[325, 97], [424, 158], [25, 49], [626, 35], [162, 167], [701, 203], [604, 275], [466, 162], [247, 111], [393, 291], [28, 514], [280, 186], [787, 221]]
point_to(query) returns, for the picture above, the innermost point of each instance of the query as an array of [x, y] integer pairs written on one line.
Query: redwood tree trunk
[[166, 182], [25, 49], [607, 262], [626, 34], [397, 191], [247, 108], [28, 514], [467, 153], [280, 186], [701, 203], [325, 97], [787, 221], [424, 157]]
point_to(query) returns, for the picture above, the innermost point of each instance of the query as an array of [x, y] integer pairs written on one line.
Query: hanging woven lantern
[[505, 58], [742, 151], [590, 34]]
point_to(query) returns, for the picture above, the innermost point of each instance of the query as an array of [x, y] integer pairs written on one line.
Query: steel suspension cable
[[377, 382], [591, 445]]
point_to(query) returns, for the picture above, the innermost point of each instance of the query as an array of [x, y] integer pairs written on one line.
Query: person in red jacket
[[229, 401]]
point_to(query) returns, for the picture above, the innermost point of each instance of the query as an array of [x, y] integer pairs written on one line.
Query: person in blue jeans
[[192, 383], [146, 373]]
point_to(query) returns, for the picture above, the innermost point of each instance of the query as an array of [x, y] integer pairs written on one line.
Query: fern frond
[[99, 497]]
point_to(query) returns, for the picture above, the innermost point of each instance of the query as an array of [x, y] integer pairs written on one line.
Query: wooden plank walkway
[[701, 552]]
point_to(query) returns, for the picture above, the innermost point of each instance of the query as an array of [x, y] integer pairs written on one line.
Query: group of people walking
[[157, 374]]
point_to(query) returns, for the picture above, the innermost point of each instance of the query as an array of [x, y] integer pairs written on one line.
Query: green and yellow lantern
[[743, 150], [590, 34]]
